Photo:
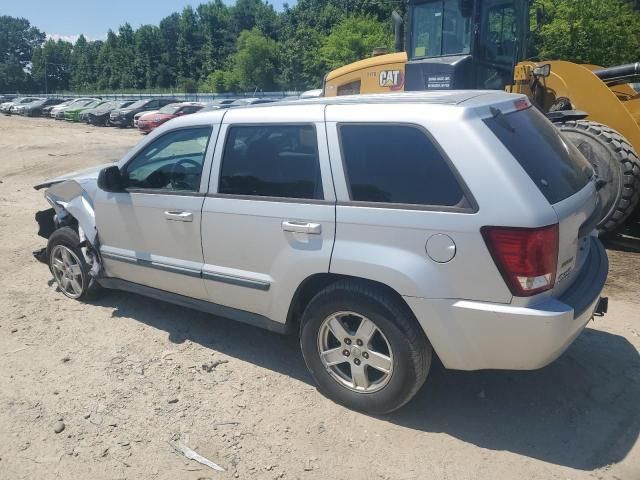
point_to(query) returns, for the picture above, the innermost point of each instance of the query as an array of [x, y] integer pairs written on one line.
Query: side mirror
[[110, 179], [542, 70]]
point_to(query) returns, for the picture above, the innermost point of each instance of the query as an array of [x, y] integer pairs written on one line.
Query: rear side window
[[272, 161], [397, 164], [555, 165]]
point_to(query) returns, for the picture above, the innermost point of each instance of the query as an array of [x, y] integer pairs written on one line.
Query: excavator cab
[[482, 44], [464, 44]]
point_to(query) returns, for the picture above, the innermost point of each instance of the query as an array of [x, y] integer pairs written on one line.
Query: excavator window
[[497, 47], [439, 29]]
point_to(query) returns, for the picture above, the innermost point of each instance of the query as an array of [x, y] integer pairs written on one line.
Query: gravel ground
[[110, 389]]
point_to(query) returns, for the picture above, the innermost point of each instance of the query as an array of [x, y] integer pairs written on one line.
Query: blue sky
[[68, 18]]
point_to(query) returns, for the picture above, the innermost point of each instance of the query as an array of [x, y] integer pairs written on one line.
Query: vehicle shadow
[[627, 239], [580, 412]]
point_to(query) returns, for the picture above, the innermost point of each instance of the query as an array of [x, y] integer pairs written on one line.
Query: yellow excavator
[[482, 44]]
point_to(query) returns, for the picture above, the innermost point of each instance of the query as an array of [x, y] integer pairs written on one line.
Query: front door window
[[173, 162]]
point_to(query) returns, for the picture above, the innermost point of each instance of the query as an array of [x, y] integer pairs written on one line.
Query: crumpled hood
[[86, 176]]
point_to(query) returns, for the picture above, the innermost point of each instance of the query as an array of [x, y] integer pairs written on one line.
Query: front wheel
[[68, 266], [364, 347]]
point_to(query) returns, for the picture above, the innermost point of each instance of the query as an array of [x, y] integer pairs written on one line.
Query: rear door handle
[[302, 227], [178, 216]]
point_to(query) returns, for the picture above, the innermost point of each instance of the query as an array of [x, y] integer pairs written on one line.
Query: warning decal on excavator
[[438, 81]]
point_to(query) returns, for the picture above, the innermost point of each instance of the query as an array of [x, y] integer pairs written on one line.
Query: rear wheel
[[364, 347], [615, 162]]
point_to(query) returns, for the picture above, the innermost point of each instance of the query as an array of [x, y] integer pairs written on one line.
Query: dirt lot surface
[[128, 376]]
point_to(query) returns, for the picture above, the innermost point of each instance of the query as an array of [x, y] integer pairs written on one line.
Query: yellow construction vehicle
[[482, 44]]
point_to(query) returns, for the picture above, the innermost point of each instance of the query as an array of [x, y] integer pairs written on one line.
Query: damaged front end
[[71, 206]]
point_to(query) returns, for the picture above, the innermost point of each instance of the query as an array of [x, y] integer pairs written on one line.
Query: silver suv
[[381, 228]]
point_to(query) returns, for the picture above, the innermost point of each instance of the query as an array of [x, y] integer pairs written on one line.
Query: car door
[[150, 234], [269, 219]]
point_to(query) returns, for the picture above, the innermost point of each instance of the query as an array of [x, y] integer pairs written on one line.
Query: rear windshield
[[553, 163]]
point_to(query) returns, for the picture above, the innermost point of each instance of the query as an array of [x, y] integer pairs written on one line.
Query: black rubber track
[[626, 159]]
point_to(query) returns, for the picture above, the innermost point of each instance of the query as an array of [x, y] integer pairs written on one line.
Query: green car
[[73, 114]]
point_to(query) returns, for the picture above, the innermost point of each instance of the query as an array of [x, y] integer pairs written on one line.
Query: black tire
[[616, 162], [412, 351], [68, 237]]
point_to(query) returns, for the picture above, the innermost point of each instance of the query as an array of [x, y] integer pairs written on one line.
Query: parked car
[[46, 111], [150, 121], [315, 93], [139, 115], [124, 117], [19, 108], [58, 111], [72, 113], [35, 108], [100, 115], [242, 102], [218, 104], [7, 106], [362, 222]]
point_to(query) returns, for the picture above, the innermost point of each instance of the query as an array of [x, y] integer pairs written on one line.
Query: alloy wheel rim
[[355, 352], [67, 270]]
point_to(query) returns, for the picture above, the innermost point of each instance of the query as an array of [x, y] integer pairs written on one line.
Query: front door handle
[[178, 216], [302, 227]]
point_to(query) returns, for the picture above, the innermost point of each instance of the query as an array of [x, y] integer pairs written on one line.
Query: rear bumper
[[470, 335]]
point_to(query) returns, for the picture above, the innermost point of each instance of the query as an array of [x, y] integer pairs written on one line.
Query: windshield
[[171, 108], [138, 104], [106, 106], [439, 28]]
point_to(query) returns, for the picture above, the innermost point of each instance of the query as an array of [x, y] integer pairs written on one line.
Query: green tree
[[82, 65], [354, 38], [107, 69], [256, 63], [18, 40], [249, 14], [218, 41], [215, 82], [590, 31], [302, 63], [167, 68], [189, 46], [147, 56], [51, 66]]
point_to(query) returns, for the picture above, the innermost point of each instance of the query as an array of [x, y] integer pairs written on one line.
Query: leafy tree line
[[250, 46]]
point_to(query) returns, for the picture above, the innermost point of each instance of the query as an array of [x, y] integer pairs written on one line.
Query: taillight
[[526, 257]]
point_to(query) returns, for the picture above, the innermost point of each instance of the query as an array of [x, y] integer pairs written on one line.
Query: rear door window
[[553, 163], [397, 164], [272, 161]]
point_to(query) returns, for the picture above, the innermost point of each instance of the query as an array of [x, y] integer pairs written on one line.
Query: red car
[[153, 120]]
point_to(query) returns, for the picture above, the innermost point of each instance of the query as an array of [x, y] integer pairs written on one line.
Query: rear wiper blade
[[501, 119]]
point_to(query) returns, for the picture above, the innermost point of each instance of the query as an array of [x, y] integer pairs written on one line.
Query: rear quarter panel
[[388, 244]]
